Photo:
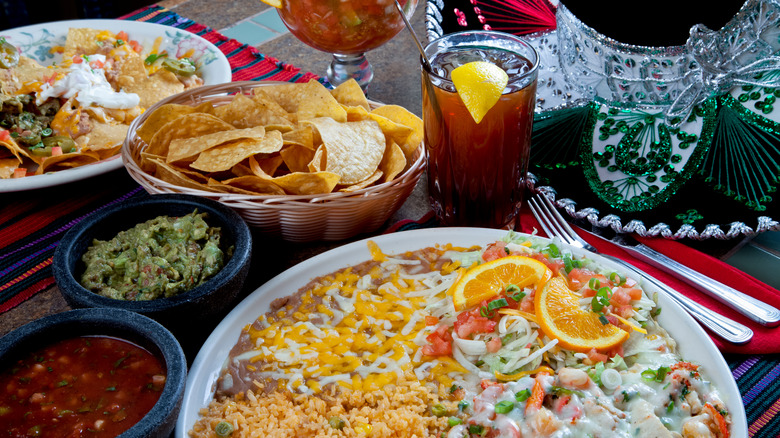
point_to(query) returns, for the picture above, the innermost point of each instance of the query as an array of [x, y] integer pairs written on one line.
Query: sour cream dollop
[[90, 86]]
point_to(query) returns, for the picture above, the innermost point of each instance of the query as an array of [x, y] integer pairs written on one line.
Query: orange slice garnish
[[489, 279], [560, 317]]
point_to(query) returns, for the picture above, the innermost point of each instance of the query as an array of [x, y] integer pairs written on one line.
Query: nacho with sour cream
[[78, 111]]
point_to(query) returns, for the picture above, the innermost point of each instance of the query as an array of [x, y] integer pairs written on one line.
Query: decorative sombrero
[[674, 141]]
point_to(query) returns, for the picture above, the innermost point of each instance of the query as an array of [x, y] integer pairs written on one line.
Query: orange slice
[[560, 317], [489, 279]]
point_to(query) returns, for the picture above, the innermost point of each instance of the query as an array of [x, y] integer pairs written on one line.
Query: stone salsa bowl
[[144, 332], [206, 302]]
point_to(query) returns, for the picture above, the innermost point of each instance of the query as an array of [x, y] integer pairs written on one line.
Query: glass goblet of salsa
[[347, 29]]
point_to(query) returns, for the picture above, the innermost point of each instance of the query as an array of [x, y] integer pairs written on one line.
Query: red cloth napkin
[[765, 340]]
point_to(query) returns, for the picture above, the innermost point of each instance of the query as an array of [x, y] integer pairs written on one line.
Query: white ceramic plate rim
[[694, 343], [216, 71]]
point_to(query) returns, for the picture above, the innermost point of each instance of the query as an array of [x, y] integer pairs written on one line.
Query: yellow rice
[[401, 410]]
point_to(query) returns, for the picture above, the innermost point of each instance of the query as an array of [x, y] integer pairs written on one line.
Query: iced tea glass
[[477, 171]]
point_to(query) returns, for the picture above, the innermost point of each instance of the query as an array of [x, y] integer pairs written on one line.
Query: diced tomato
[[495, 251], [122, 35], [472, 322], [431, 320], [440, 342], [487, 383], [135, 46], [77, 59], [56, 150], [555, 266], [494, 345], [580, 277], [620, 297], [96, 64], [595, 356], [635, 294], [625, 311], [19, 172], [5, 135], [527, 304]]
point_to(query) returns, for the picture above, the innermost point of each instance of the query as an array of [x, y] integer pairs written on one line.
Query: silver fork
[[555, 225]]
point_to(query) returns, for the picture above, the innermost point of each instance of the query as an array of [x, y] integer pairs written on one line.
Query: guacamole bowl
[[80, 349], [200, 302]]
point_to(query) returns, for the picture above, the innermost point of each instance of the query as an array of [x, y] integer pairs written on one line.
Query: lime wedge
[[479, 85]]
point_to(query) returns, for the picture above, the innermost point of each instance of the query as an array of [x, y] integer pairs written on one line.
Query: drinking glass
[[477, 171], [347, 29]]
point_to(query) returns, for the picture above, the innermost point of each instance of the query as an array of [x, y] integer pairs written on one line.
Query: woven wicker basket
[[303, 218]]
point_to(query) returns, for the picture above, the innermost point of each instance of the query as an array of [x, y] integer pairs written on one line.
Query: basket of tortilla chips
[[295, 160]]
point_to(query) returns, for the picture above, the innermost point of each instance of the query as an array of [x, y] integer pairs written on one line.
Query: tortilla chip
[[354, 149], [350, 94], [176, 176], [150, 88], [226, 155], [265, 167], [363, 184], [319, 161], [106, 136], [304, 183], [255, 184], [302, 136], [245, 112], [66, 161], [307, 101], [356, 113], [81, 41], [148, 162], [186, 126], [393, 162], [402, 116], [297, 158], [160, 117], [7, 167]]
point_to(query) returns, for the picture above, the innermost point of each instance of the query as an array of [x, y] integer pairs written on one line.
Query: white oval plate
[[35, 41], [694, 344]]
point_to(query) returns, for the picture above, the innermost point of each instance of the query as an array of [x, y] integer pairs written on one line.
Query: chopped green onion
[[454, 388], [497, 304], [594, 283], [616, 278], [523, 395], [670, 408], [558, 390], [46, 132], [504, 407], [603, 320], [454, 421], [463, 405], [512, 288], [567, 264], [552, 250], [506, 250], [476, 428], [223, 429]]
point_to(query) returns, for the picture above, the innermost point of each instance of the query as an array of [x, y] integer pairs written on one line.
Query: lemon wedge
[[479, 85], [275, 3]]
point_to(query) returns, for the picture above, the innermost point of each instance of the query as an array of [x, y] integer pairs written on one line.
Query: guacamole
[[158, 258]]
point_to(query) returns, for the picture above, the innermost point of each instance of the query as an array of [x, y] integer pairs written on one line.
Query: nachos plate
[[40, 43]]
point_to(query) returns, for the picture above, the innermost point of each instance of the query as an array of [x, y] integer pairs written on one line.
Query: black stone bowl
[[206, 303], [121, 324]]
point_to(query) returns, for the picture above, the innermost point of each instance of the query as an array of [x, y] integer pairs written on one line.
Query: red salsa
[[346, 27], [80, 387]]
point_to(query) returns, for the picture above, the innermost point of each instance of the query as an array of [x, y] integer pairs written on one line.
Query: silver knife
[[752, 308]]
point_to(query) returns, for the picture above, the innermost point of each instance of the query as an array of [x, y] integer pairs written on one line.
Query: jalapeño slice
[[181, 67]]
